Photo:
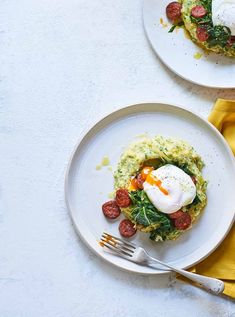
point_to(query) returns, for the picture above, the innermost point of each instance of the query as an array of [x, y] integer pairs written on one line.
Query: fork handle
[[209, 283]]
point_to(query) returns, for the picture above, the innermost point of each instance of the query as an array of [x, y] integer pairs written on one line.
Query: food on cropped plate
[[159, 188], [210, 23]]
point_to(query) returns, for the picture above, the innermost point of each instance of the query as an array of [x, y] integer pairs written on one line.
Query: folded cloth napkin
[[223, 118], [221, 263]]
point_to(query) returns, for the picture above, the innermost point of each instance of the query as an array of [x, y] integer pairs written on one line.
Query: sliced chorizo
[[231, 41], [183, 222], [173, 11], [176, 214], [202, 34], [111, 210], [193, 178], [127, 228], [122, 198], [140, 181], [198, 12]]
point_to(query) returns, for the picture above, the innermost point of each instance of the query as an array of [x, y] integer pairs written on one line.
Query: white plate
[[177, 51], [86, 189]]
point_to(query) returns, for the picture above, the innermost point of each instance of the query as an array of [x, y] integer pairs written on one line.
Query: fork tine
[[115, 247], [117, 243], [115, 250], [120, 240]]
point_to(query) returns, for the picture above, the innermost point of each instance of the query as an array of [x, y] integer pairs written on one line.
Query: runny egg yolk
[[156, 182], [146, 176], [146, 171], [133, 184]]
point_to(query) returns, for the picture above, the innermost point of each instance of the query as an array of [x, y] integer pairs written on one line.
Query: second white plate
[[178, 52], [86, 188]]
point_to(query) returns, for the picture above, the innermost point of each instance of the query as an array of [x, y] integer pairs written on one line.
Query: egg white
[[180, 187], [223, 13]]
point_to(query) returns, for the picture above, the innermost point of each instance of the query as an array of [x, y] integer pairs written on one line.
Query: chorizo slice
[[122, 198], [231, 41], [173, 11], [110, 209], [140, 181], [202, 34], [176, 214], [183, 222], [193, 178], [127, 228], [198, 12]]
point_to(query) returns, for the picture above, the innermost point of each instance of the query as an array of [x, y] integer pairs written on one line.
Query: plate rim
[[167, 65], [86, 131]]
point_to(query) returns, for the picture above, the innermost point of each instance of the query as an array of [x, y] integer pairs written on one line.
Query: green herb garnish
[[172, 28], [175, 25]]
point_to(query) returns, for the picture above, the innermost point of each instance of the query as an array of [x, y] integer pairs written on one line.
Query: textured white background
[[64, 63]]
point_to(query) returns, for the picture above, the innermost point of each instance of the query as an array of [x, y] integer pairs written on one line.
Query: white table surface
[[63, 64]]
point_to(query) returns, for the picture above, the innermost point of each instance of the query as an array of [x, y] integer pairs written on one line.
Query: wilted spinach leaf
[[218, 35], [163, 232], [144, 213], [172, 28], [206, 4], [204, 20], [196, 200], [175, 25]]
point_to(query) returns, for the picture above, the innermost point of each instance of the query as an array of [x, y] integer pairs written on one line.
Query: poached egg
[[223, 13], [169, 188]]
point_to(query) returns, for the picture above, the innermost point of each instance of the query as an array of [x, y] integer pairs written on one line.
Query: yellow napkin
[[223, 118], [221, 263]]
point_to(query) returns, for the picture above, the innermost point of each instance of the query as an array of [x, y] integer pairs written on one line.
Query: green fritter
[[159, 151]]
